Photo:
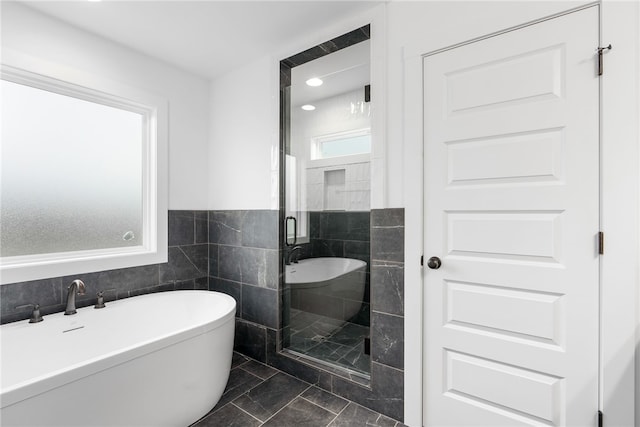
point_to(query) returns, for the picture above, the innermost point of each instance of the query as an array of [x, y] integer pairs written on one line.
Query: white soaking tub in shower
[[153, 360], [333, 287]]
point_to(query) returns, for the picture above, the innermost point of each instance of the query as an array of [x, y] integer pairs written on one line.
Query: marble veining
[[259, 395], [187, 268], [330, 340], [258, 327], [383, 392]]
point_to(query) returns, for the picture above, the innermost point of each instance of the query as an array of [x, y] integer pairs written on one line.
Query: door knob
[[434, 263]]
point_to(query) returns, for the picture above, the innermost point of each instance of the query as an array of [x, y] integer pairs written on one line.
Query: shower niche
[[325, 205]]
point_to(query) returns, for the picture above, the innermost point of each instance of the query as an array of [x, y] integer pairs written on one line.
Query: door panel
[[525, 158], [526, 314], [511, 207]]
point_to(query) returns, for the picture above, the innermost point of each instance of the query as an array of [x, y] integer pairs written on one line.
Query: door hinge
[[367, 93], [601, 243], [600, 416], [422, 260], [600, 61]]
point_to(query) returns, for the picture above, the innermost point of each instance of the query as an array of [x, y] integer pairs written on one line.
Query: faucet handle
[[35, 314], [100, 303]]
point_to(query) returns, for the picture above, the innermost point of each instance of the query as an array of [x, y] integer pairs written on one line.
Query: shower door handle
[[286, 230]]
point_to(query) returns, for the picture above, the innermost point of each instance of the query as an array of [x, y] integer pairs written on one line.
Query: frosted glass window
[[342, 144], [345, 146], [72, 173]]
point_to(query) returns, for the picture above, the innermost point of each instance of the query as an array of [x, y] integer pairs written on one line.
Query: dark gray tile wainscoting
[[244, 259], [187, 269], [237, 252], [255, 285]]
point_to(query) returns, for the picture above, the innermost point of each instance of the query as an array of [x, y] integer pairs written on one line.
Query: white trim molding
[[153, 249]]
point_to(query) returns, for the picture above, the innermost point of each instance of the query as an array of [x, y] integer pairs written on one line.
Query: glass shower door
[[327, 208]]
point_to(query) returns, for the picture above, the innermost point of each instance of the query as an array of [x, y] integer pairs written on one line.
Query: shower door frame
[[345, 40]]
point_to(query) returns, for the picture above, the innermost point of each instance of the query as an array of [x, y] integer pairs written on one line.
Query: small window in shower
[[341, 144]]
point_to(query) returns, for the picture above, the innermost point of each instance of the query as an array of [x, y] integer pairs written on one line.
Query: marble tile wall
[[187, 268], [237, 252], [243, 262], [258, 332]]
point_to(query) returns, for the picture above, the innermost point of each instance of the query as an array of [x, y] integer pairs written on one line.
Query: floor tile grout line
[[253, 375], [250, 389], [373, 410], [246, 360], [310, 385], [246, 412], [242, 394], [289, 402], [339, 413], [257, 376], [266, 366], [240, 365], [318, 405], [335, 395]]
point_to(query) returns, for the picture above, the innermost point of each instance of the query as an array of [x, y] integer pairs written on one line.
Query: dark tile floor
[[259, 395], [335, 341]]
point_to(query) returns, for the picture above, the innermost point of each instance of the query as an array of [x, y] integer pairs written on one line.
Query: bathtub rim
[[20, 391], [358, 264]]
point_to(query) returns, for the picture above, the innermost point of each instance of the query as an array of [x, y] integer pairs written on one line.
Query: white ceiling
[[207, 38]]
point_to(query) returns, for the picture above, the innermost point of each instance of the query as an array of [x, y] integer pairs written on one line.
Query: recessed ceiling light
[[308, 107], [314, 82]]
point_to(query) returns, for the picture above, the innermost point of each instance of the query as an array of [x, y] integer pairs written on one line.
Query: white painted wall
[[244, 129], [31, 33], [244, 144]]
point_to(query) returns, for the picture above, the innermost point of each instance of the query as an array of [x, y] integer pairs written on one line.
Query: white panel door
[[512, 211]]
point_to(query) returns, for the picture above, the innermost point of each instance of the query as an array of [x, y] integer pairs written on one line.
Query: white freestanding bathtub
[[153, 360], [329, 286]]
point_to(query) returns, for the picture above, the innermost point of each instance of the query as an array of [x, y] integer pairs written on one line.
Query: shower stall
[[325, 203]]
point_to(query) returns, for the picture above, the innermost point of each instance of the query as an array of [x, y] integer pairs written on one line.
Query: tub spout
[[294, 255], [76, 287]]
